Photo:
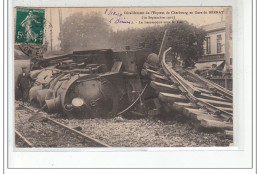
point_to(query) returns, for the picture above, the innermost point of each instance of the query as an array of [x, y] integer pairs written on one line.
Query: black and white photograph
[[123, 77]]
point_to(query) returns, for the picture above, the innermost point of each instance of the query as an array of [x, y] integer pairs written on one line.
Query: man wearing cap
[[24, 84]]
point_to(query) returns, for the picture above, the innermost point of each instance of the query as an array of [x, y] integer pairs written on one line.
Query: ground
[[120, 132]]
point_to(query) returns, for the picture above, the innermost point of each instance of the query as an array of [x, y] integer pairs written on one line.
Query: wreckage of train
[[93, 83]]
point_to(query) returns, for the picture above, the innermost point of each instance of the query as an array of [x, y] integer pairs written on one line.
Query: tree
[[85, 32], [186, 41]]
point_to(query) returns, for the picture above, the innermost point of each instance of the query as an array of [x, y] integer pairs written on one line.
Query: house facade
[[214, 45]]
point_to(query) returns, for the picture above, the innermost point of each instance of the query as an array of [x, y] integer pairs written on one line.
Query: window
[[208, 51], [219, 45]]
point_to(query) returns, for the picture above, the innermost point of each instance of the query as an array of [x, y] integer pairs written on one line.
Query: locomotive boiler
[[88, 84]]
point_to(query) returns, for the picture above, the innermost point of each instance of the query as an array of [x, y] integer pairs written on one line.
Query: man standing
[[24, 84]]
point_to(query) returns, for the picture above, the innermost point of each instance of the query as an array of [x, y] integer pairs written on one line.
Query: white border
[[174, 158]]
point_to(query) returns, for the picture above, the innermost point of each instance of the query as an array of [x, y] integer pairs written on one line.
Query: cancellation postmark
[[31, 28]]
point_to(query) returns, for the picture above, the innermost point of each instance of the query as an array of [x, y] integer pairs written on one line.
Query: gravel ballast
[[120, 132]]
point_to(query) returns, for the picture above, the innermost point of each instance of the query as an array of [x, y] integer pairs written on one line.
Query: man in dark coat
[[24, 84]]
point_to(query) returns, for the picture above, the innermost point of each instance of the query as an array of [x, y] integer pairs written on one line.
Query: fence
[[225, 82]]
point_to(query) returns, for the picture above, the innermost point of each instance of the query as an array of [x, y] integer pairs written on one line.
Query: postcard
[[128, 86], [123, 77]]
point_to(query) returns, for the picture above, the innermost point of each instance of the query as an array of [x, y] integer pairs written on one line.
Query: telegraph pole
[[60, 22], [51, 28], [228, 26]]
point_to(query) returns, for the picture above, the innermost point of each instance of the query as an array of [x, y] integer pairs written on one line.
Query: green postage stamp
[[29, 26]]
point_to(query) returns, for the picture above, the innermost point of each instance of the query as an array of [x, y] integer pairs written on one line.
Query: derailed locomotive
[[88, 84]]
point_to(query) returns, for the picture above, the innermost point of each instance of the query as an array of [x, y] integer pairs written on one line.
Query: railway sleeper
[[228, 134], [161, 79], [189, 111], [230, 110], [211, 85], [205, 124], [149, 72], [201, 90], [179, 106], [200, 119], [161, 87], [218, 103], [211, 97], [170, 98], [214, 124], [197, 85], [194, 90]]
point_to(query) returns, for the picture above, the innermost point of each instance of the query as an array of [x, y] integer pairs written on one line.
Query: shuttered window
[[219, 45], [208, 49]]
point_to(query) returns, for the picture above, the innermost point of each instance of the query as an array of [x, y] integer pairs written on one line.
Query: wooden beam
[[150, 72], [196, 85], [218, 103], [170, 98], [161, 87], [216, 124], [192, 113], [179, 106], [161, 79], [211, 97], [228, 134], [207, 117], [226, 109], [201, 90]]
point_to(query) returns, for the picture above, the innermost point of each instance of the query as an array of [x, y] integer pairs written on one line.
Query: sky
[[138, 17]]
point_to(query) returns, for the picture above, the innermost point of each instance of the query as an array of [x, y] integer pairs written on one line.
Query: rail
[[68, 128], [23, 139], [188, 89], [219, 89]]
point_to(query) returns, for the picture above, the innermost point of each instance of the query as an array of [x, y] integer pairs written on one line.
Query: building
[[218, 52], [215, 43]]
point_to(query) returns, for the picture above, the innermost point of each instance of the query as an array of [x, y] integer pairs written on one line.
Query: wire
[[129, 107]]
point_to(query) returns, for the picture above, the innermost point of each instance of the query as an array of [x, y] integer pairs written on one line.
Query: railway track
[[42, 131], [21, 141], [208, 105]]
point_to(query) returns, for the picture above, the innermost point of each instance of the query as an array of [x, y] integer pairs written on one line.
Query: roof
[[207, 65], [214, 26]]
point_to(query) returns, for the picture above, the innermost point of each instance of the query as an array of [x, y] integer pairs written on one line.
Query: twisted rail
[[188, 89]]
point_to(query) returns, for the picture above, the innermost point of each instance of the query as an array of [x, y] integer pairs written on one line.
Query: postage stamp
[[29, 26]]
